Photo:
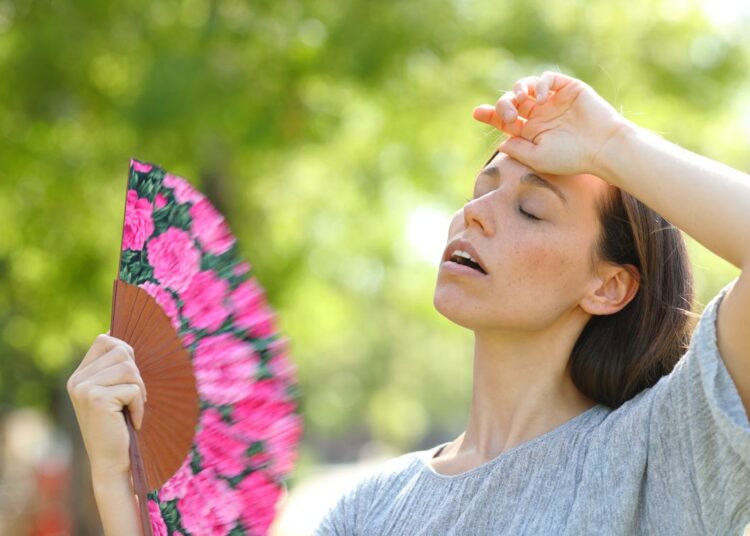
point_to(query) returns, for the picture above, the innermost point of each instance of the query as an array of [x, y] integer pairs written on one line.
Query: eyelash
[[527, 215], [522, 211]]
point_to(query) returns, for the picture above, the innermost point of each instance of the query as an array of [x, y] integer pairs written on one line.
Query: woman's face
[[537, 270]]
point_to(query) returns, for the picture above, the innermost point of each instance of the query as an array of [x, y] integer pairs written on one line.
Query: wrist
[[615, 148], [107, 481]]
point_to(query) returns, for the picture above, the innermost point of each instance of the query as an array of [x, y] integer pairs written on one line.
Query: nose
[[477, 212]]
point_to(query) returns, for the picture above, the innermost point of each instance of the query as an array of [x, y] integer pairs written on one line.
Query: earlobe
[[616, 289]]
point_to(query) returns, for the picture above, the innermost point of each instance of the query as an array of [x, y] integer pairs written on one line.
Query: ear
[[614, 287]]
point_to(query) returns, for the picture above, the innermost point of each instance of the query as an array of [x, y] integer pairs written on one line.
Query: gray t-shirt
[[675, 459]]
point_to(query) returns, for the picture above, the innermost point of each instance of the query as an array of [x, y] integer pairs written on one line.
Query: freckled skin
[[538, 270]]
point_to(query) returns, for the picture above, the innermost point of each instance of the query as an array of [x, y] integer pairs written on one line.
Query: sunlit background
[[337, 137]]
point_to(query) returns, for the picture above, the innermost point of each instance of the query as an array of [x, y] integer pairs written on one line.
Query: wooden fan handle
[[139, 476]]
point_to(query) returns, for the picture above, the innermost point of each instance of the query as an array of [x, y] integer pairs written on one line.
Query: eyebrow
[[532, 179]]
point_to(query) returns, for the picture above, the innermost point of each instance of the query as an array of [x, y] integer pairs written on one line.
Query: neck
[[522, 389]]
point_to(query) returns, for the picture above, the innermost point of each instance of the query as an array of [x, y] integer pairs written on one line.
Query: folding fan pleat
[[163, 352], [171, 417], [150, 336], [142, 336]]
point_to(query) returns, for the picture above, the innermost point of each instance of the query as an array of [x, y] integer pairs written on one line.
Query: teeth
[[464, 254]]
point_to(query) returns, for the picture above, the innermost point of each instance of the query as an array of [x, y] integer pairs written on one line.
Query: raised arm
[[561, 126], [107, 380]]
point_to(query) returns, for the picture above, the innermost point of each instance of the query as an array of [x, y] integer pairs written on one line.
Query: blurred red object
[[49, 514]]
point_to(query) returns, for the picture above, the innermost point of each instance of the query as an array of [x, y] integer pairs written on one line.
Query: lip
[[460, 269], [465, 245]]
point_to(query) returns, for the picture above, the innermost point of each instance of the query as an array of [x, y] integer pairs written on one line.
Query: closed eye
[[528, 215], [522, 211]]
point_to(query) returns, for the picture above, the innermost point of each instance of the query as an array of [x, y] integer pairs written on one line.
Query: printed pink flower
[[210, 228], [183, 191], [280, 366], [251, 310], [204, 301], [219, 445], [165, 300], [140, 167], [223, 368], [210, 506], [188, 338], [139, 223], [259, 408], [177, 485], [157, 523], [241, 268], [267, 415], [174, 257], [260, 495], [284, 436], [160, 201]]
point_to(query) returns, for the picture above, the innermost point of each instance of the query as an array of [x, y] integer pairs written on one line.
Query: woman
[[579, 295]]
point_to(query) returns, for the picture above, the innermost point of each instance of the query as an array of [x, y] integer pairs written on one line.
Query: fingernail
[[508, 116]]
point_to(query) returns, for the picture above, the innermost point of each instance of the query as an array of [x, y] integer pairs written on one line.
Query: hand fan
[[221, 425]]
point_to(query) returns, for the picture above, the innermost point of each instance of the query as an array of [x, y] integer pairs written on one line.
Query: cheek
[[548, 265]]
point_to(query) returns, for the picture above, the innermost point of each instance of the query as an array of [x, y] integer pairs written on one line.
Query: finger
[[520, 149], [486, 114], [120, 373], [101, 345], [550, 81], [525, 87], [120, 396], [506, 107], [116, 355], [526, 108], [128, 395]]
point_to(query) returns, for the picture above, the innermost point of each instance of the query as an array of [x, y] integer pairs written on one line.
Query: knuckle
[[128, 368], [121, 352], [80, 391], [102, 337], [126, 349], [71, 384], [95, 396]]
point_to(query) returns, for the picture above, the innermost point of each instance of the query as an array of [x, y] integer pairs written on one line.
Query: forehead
[[579, 187]]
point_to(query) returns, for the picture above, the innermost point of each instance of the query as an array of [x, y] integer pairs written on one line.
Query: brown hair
[[619, 355]]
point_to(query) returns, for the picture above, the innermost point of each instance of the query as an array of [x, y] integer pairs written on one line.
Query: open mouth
[[467, 262]]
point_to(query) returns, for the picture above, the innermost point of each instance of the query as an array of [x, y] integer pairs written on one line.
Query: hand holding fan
[[221, 427]]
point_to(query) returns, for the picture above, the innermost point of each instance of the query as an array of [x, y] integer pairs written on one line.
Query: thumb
[[521, 149]]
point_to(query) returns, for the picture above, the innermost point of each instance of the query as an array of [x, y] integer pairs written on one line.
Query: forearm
[[117, 505], [708, 200]]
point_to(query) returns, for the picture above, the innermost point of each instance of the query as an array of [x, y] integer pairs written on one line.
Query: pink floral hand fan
[[221, 425]]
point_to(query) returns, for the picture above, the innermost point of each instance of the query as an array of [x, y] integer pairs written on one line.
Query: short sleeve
[[699, 433], [336, 521], [344, 516]]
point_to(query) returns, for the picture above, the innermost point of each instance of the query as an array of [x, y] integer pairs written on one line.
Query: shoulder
[[354, 504], [389, 472]]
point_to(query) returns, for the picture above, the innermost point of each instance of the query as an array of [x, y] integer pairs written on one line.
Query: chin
[[451, 306]]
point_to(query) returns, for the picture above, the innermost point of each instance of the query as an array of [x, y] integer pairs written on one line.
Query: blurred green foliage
[[338, 139]]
